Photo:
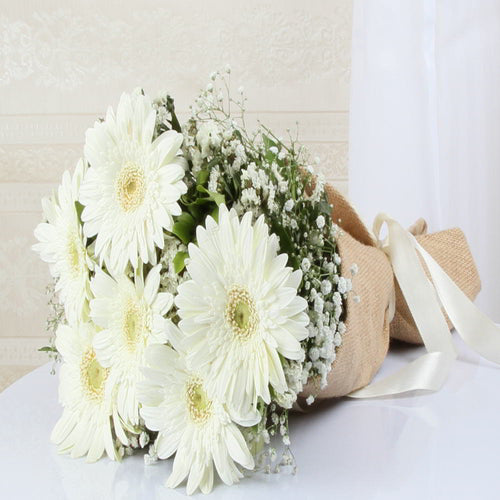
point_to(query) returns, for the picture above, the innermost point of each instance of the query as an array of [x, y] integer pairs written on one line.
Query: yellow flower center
[[200, 407], [93, 376], [241, 313], [134, 322], [130, 187]]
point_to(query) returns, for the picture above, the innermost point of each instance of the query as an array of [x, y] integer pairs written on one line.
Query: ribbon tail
[[428, 373], [430, 370], [424, 300], [476, 329]]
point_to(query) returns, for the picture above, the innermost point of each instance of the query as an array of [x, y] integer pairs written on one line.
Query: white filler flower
[[62, 245], [177, 404], [131, 318], [240, 311], [130, 193], [85, 426]]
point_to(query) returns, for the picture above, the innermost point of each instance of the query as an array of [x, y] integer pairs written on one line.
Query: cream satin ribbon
[[424, 300]]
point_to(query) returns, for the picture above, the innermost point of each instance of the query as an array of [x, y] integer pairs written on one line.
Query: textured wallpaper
[[61, 67]]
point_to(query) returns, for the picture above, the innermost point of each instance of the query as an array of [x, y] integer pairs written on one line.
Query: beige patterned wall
[[61, 66]]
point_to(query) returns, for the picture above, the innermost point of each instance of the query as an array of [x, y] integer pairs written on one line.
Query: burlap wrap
[[450, 250], [366, 341]]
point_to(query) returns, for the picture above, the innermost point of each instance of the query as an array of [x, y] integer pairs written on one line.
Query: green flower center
[[134, 322], [200, 407], [93, 375], [130, 187], [74, 253], [241, 313]]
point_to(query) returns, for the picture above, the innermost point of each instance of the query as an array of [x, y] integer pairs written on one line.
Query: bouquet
[[197, 288], [203, 289]]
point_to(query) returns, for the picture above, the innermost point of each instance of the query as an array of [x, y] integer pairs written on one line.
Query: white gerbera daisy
[[132, 317], [63, 246], [85, 427], [177, 404], [240, 311], [130, 193]]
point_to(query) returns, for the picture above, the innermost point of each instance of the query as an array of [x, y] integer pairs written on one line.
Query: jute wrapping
[[450, 250], [366, 340], [368, 322]]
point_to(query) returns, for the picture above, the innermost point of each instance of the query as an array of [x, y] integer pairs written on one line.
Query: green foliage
[[47, 348], [79, 209], [179, 261], [184, 227], [212, 196], [202, 177], [174, 122]]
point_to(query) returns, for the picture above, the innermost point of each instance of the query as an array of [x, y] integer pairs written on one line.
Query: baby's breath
[[256, 171], [250, 170]]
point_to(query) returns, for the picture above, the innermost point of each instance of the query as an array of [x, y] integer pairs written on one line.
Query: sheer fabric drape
[[425, 120]]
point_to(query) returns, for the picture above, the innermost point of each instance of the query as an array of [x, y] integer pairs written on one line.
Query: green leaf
[[79, 209], [286, 244], [201, 201], [325, 207], [47, 348], [202, 177], [268, 142], [215, 213], [184, 227], [217, 197], [214, 161], [196, 210], [185, 200], [171, 108], [179, 261]]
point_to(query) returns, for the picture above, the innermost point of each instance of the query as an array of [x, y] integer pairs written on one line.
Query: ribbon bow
[[424, 299]]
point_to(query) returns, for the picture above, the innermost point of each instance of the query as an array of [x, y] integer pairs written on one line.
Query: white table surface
[[434, 446]]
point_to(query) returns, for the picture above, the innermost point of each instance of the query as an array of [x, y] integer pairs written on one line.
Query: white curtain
[[425, 120]]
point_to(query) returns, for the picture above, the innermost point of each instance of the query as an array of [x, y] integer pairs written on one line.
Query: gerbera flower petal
[[63, 246], [131, 317], [130, 193], [240, 311], [190, 422], [85, 426]]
